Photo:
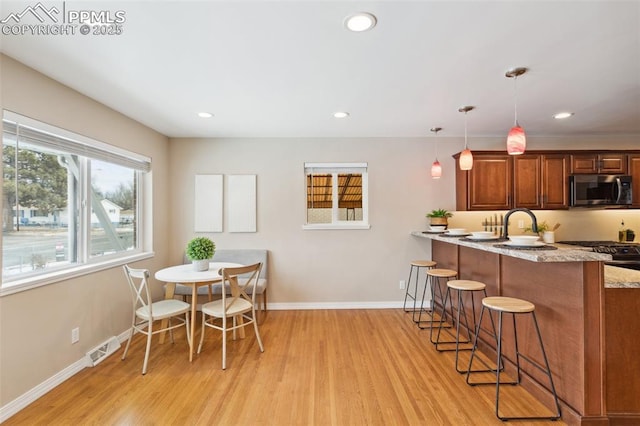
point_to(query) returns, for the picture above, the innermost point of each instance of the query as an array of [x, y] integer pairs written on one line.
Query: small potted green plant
[[439, 217], [542, 228], [199, 251], [546, 232]]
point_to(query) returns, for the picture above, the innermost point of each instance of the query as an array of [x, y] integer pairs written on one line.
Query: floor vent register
[[96, 355]]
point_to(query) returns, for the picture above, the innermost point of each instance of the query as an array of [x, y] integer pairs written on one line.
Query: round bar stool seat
[[442, 273], [434, 275], [510, 305], [466, 285], [415, 265], [423, 263]]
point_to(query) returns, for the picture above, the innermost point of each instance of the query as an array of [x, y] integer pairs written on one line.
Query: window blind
[[20, 133], [328, 168]]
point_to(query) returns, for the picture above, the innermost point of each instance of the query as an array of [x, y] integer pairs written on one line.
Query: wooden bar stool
[[416, 264], [434, 276], [461, 286], [514, 307]]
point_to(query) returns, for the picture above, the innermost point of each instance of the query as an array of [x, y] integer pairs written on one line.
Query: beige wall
[[317, 266], [360, 265], [35, 325]]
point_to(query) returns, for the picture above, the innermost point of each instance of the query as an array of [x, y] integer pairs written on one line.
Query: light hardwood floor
[[324, 367]]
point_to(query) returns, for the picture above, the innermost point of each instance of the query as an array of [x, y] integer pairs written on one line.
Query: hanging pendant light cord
[[436, 132], [515, 99], [465, 130]]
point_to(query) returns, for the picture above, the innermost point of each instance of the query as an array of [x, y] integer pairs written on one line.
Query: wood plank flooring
[[324, 367]]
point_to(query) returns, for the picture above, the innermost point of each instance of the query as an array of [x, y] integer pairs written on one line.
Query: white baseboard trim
[[333, 305], [28, 397], [33, 394], [301, 306]]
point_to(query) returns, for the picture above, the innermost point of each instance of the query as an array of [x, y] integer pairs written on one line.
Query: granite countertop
[[564, 253], [614, 277]]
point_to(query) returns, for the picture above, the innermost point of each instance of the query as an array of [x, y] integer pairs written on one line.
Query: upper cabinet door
[[612, 163], [541, 181], [527, 179], [487, 186], [555, 181], [604, 163]]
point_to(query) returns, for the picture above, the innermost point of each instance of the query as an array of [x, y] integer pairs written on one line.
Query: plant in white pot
[[200, 250], [546, 232]]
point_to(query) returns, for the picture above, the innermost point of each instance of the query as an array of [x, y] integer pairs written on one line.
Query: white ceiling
[[281, 68]]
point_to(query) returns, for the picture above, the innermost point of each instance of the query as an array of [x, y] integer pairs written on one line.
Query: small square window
[[336, 196]]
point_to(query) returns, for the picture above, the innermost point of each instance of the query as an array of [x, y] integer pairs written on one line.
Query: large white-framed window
[[71, 204], [337, 196]]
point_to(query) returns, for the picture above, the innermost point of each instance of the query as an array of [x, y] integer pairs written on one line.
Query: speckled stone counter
[[564, 253], [613, 277]]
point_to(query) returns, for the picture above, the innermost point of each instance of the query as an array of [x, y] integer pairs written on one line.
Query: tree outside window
[[66, 202]]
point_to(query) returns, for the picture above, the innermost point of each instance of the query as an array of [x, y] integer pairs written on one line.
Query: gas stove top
[[611, 247], [624, 254]]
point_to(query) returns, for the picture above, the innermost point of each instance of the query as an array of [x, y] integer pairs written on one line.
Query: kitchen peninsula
[[588, 315]]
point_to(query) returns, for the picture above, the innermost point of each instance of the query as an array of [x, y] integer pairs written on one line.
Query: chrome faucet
[[534, 224]]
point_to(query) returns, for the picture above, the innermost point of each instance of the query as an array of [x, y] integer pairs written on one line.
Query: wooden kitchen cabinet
[[501, 182], [555, 181], [604, 163], [527, 178], [634, 171], [487, 186], [535, 179], [541, 181]]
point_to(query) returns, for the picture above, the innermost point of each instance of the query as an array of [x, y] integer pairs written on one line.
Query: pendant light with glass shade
[[436, 168], [516, 139], [466, 158]]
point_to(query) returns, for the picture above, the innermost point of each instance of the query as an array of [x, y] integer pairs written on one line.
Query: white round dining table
[[187, 275]]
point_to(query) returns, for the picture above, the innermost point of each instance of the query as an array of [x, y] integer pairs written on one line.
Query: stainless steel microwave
[[600, 190]]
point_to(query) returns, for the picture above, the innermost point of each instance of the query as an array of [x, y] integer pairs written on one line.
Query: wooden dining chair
[[145, 312], [239, 306]]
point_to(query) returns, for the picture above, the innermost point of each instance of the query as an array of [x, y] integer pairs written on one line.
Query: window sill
[[318, 226], [57, 276]]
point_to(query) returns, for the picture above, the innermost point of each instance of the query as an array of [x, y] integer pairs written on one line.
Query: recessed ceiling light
[[361, 21], [340, 114], [561, 115], [205, 115]]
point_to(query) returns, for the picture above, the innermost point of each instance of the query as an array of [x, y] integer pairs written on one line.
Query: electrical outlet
[[75, 335], [402, 284], [521, 224]]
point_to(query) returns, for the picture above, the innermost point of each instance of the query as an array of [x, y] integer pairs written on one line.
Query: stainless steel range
[[625, 255]]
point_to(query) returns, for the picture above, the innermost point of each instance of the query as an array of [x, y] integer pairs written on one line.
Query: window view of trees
[[41, 183], [56, 203], [113, 208], [122, 196]]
